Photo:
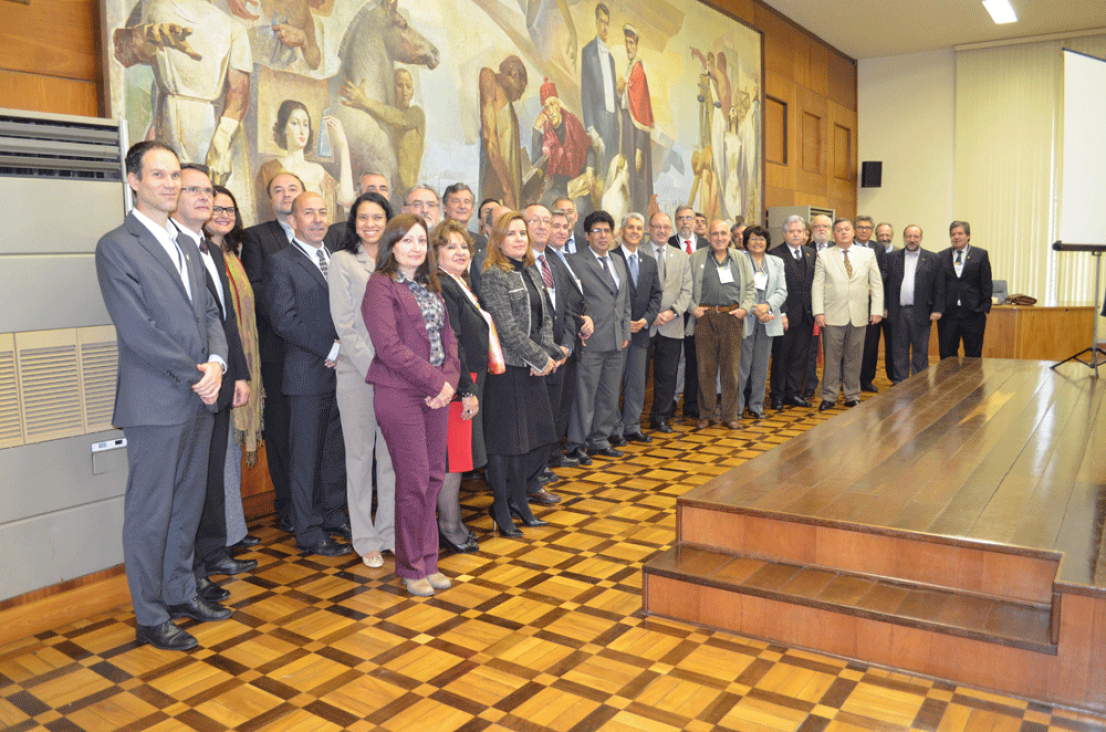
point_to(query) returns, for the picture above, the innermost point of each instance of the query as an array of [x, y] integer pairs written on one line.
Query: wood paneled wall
[[50, 61]]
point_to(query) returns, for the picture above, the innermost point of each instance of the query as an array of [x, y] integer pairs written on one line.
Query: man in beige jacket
[[844, 276]]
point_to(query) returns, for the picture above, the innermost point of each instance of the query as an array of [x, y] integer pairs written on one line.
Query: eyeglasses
[[220, 210], [600, 232], [539, 220], [423, 205], [196, 190]]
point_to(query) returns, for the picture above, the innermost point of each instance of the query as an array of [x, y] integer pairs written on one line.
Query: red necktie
[[546, 273], [687, 246]]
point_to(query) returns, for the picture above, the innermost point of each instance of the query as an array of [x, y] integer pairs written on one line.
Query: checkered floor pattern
[[543, 633]]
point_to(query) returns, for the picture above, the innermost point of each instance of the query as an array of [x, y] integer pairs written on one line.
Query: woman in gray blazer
[[518, 419], [348, 275], [764, 322]]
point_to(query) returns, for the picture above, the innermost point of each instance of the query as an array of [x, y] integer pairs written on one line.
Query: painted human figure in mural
[[559, 135], [749, 112], [707, 97], [406, 122], [500, 151], [289, 27], [202, 64], [732, 187], [293, 132], [599, 90], [637, 123]]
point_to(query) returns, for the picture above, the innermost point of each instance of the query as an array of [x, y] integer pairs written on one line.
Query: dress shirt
[[796, 253], [287, 230], [313, 253], [207, 259], [910, 266], [167, 237], [820, 247]]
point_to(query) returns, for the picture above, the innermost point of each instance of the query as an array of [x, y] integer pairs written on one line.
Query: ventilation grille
[[56, 383], [11, 427], [55, 146], [98, 368]]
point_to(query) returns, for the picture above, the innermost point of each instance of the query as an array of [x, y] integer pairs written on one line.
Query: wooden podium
[[1035, 333]]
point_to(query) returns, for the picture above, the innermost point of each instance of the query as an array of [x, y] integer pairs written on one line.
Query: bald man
[[298, 301]]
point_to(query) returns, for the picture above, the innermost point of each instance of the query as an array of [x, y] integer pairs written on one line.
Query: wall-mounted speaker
[[871, 174]]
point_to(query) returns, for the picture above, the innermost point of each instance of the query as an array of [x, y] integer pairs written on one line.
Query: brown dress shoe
[[704, 423], [734, 425]]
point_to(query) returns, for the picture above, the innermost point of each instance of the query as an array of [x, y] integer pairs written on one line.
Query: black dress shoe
[[468, 546], [777, 404], [852, 402], [210, 591], [797, 401], [548, 477], [326, 548], [167, 637], [757, 414], [531, 522], [581, 456], [230, 566], [286, 525], [543, 497], [616, 440], [607, 452], [826, 405], [341, 530], [869, 387], [638, 437], [199, 609], [510, 530], [247, 541], [661, 426], [563, 461]]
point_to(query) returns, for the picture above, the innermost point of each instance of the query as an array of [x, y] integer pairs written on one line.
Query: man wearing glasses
[[422, 200]]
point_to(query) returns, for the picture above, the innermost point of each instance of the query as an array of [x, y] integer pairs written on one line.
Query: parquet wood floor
[[543, 633]]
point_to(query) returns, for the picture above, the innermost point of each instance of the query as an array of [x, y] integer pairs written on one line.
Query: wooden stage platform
[[951, 526]]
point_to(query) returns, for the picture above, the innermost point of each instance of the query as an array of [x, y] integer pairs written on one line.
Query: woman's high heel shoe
[[512, 532], [466, 547], [531, 522]]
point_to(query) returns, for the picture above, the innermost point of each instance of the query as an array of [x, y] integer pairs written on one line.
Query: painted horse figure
[[377, 38]]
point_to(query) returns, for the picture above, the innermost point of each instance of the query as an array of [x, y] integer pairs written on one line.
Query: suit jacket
[[973, 288], [568, 310], [402, 342], [298, 301], [929, 285], [645, 297], [237, 369], [698, 242], [742, 273], [162, 333], [347, 278], [800, 281], [505, 297], [675, 290], [845, 300], [259, 243], [609, 312], [471, 331], [775, 294]]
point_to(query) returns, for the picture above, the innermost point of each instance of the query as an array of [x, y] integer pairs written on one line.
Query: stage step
[[673, 578]]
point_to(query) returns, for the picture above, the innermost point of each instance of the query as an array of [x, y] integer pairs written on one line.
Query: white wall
[[906, 119]]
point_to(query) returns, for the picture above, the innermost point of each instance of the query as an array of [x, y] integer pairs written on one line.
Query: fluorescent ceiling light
[[1001, 11]]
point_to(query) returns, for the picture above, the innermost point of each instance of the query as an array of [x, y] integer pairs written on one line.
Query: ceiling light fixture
[[1001, 11]]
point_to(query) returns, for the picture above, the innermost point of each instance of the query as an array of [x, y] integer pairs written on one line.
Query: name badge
[[725, 276], [760, 280]]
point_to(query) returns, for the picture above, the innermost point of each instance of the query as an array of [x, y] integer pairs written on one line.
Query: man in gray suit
[[606, 284], [172, 355]]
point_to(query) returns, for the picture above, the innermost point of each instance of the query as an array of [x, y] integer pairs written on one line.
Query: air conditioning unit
[[778, 214]]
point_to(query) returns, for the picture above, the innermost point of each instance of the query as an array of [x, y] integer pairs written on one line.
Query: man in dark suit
[[259, 244], [211, 555], [915, 298], [575, 240], [599, 89], [645, 304], [298, 301], [821, 235], [968, 286], [606, 285], [790, 351], [666, 332], [686, 240], [865, 228], [172, 355], [566, 303]]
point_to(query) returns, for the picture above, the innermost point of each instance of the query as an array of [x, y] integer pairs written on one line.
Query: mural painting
[[626, 107]]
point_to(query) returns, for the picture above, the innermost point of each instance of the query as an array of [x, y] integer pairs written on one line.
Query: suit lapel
[[308, 265], [148, 242]]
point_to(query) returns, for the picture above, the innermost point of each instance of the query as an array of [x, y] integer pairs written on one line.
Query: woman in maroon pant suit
[[415, 372]]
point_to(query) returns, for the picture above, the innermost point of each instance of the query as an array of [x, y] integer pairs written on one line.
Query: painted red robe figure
[[560, 136], [637, 124]]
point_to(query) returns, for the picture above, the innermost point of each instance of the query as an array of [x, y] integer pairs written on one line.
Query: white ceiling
[[870, 28]]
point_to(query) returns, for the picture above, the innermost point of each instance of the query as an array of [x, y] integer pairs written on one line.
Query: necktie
[[546, 273], [610, 275], [660, 262], [798, 255], [633, 268], [958, 255], [203, 245], [322, 262], [687, 246], [848, 266]]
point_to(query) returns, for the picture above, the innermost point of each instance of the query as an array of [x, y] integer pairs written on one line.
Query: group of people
[[392, 353]]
